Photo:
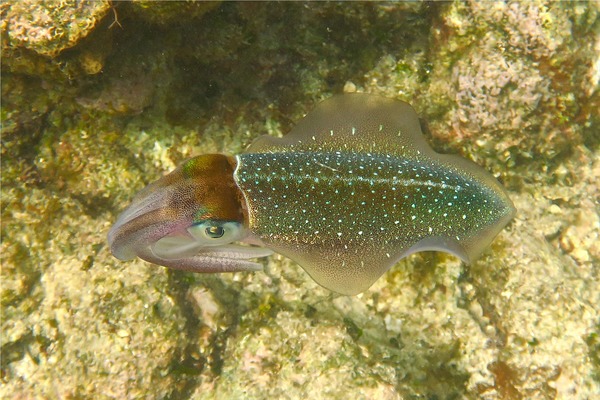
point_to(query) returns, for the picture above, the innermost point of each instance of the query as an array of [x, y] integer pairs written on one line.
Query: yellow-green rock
[[97, 109]]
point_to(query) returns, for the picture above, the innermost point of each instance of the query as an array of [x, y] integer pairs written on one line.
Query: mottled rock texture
[[100, 98]]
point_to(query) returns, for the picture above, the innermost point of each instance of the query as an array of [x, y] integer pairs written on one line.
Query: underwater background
[[100, 98]]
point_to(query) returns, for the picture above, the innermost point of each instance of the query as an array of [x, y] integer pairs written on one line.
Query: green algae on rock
[[168, 12], [520, 322]]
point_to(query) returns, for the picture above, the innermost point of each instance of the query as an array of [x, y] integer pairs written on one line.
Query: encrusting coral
[[99, 98]]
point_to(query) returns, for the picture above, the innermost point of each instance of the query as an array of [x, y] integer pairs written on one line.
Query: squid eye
[[215, 233]]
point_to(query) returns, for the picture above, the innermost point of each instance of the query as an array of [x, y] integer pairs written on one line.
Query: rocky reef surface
[[100, 98]]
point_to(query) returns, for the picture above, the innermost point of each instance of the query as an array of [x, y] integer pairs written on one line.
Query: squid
[[351, 190]]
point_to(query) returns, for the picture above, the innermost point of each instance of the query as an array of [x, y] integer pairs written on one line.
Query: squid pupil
[[215, 232]]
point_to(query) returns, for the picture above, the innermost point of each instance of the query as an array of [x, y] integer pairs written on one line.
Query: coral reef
[[99, 98], [48, 28], [36, 37]]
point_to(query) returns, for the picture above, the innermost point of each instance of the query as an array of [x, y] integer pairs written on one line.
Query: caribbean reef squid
[[351, 190]]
